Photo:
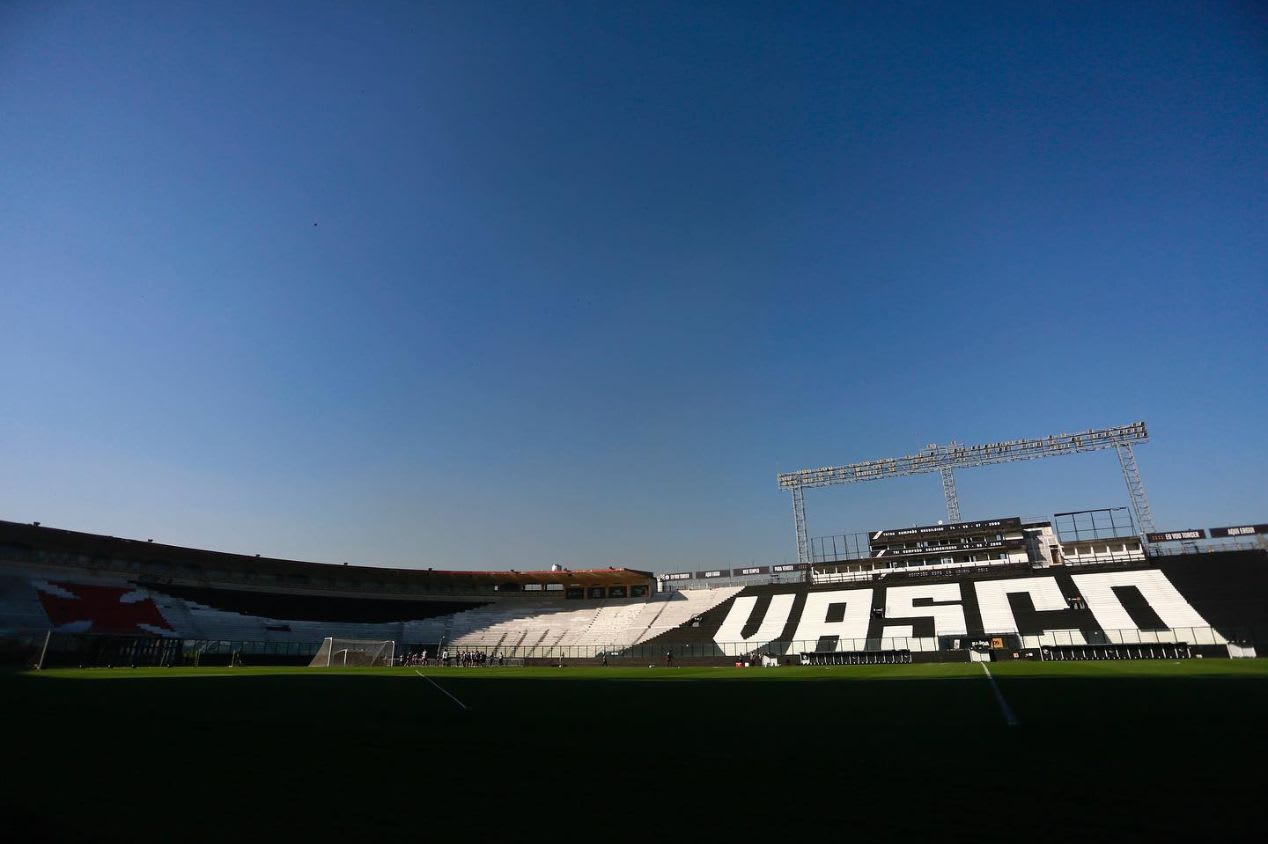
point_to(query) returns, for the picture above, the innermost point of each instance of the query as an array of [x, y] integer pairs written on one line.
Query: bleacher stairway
[[572, 628]]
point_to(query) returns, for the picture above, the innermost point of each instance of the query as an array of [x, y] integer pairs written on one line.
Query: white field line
[[1009, 717], [446, 694]]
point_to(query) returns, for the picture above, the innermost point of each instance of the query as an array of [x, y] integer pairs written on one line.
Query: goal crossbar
[[335, 652]]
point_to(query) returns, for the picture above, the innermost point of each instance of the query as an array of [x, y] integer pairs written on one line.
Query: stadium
[[982, 669], [81, 600], [1086, 585], [512, 334]]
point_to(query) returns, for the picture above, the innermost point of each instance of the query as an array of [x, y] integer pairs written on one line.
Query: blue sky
[[481, 285]]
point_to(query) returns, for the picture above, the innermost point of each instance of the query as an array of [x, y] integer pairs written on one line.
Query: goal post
[[335, 653]]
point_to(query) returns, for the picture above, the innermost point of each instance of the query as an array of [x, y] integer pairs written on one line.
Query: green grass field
[[1128, 749]]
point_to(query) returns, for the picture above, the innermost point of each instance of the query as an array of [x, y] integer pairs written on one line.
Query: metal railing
[[934, 569], [1245, 543], [1208, 546], [960, 642], [1112, 558], [71, 650]]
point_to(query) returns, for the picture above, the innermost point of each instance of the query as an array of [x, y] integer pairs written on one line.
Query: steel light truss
[[943, 459], [799, 518], [949, 493], [1135, 488]]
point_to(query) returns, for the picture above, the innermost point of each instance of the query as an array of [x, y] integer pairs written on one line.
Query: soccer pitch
[[1098, 748]]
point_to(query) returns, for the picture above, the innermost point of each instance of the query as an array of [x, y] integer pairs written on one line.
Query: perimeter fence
[[63, 650]]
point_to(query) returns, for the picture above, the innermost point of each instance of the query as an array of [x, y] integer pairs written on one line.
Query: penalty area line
[[465, 708], [1009, 717]]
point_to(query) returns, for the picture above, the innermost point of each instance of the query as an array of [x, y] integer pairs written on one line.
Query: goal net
[[338, 652]]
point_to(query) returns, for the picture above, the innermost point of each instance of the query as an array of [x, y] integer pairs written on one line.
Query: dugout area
[[884, 750]]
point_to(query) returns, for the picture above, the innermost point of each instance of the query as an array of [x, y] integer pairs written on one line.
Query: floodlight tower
[[944, 459]]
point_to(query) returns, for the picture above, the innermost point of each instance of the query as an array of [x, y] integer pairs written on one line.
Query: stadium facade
[[937, 592]]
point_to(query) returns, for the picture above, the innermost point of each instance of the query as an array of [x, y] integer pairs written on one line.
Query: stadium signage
[[966, 545], [1241, 530], [789, 567], [712, 573], [677, 575], [1175, 535], [751, 570], [956, 527], [843, 619]]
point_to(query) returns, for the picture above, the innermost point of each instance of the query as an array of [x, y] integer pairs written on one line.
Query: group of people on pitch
[[472, 659], [463, 659]]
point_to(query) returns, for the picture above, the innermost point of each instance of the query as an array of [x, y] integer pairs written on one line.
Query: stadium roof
[[92, 545]]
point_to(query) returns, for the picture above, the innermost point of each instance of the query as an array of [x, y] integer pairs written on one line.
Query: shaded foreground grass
[[1119, 748]]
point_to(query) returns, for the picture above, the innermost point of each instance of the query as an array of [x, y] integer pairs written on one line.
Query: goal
[[339, 652]]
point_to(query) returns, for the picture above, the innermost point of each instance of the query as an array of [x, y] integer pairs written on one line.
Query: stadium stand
[[106, 598]]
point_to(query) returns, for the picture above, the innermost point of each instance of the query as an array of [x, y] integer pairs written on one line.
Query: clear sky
[[492, 285]]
